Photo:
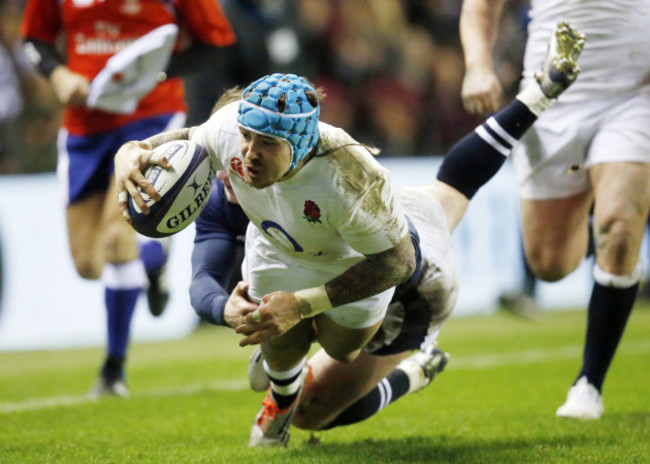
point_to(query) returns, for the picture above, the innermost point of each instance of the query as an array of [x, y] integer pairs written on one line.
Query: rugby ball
[[184, 190]]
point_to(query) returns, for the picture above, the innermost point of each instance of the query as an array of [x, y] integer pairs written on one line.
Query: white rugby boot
[[109, 387], [560, 67], [582, 402], [272, 425], [257, 378], [422, 367]]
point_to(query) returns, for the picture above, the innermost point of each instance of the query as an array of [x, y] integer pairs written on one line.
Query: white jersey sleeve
[[369, 221], [216, 135]]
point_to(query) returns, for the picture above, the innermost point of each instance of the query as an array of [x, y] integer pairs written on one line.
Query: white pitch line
[[461, 363], [43, 403]]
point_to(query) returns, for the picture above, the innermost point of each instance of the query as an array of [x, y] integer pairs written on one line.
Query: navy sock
[[152, 255], [113, 368], [608, 312], [478, 156], [120, 305], [390, 389]]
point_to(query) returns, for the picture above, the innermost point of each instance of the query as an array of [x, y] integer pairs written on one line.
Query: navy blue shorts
[[85, 163]]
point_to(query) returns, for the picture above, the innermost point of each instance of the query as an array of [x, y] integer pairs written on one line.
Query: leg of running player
[[622, 201]]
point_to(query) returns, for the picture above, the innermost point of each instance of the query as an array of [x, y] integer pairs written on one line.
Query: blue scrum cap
[[277, 105]]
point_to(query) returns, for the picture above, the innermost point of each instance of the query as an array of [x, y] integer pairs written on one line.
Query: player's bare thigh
[[336, 385], [622, 202], [84, 226], [119, 239], [556, 234], [342, 343], [97, 233], [286, 351]]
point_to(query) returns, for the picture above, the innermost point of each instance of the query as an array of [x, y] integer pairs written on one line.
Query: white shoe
[[109, 387], [257, 378], [560, 67], [582, 402], [422, 367], [272, 425]]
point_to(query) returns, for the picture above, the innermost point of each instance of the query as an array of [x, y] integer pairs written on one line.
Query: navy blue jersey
[[217, 255], [220, 219]]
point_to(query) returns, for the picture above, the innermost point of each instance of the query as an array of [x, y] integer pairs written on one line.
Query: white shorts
[[554, 156], [440, 268], [412, 324], [267, 272]]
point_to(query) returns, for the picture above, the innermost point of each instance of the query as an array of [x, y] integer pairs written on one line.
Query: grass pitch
[[190, 403]]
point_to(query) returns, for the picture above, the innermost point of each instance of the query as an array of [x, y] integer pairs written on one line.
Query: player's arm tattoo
[[169, 136], [373, 275]]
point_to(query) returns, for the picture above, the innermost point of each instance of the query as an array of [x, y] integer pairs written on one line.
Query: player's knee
[[342, 354], [549, 266], [616, 241], [119, 243], [315, 410], [86, 266], [306, 420]]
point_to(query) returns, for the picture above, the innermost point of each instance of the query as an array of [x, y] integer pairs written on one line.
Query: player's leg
[[85, 166], [336, 386], [123, 277], [83, 220], [283, 361], [342, 343], [284, 364], [622, 192], [619, 162], [342, 394], [556, 234], [478, 156]]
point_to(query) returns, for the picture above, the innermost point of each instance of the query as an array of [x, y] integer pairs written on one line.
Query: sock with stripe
[[389, 390], [285, 385], [611, 303], [478, 156]]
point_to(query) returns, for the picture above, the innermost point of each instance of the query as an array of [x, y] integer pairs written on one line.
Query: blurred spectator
[[11, 102], [267, 42], [29, 112], [391, 69]]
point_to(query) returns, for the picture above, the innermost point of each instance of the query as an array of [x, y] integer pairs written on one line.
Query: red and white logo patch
[[237, 166]]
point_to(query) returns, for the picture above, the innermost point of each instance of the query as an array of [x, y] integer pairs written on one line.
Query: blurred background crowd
[[392, 71]]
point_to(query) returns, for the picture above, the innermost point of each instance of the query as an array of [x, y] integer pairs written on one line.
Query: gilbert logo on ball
[[184, 190]]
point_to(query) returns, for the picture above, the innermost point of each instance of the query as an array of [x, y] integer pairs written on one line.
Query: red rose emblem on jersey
[[236, 165], [311, 212]]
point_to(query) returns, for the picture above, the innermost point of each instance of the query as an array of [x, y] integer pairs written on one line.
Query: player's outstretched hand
[[238, 306], [130, 161], [276, 315]]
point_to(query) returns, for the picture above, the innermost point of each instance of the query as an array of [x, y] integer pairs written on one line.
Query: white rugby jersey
[[616, 56], [319, 222]]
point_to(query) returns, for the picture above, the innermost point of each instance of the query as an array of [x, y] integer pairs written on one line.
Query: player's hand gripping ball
[[184, 190]]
